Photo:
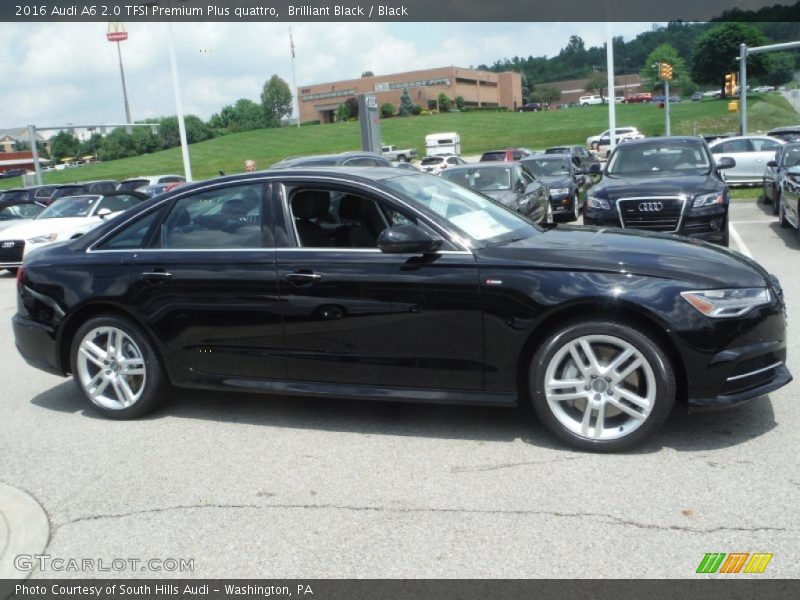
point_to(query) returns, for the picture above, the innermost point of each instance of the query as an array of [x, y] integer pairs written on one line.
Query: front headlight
[[43, 239], [708, 200], [721, 304], [559, 191], [595, 202]]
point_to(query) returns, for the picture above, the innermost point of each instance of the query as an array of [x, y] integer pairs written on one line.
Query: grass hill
[[479, 131]]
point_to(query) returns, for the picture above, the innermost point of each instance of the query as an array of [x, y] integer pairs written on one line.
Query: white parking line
[[748, 222], [739, 241]]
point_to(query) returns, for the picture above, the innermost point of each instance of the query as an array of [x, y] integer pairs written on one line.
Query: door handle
[[158, 274], [302, 277]]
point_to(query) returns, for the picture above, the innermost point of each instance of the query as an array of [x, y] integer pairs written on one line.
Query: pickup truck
[[392, 153]]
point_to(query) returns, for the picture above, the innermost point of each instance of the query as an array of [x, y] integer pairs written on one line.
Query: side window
[[335, 219], [228, 217], [118, 203], [170, 179], [732, 147], [762, 145], [527, 178], [134, 236]]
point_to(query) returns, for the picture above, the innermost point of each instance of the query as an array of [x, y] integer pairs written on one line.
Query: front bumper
[[563, 204], [708, 223], [37, 345]]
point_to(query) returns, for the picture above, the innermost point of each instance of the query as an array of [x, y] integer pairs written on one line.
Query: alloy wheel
[[111, 368], [600, 387]]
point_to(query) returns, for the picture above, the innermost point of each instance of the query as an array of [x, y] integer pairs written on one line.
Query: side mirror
[[726, 162], [581, 171], [772, 164], [103, 213], [408, 239], [595, 169]]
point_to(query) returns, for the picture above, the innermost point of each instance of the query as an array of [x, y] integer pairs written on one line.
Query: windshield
[[547, 166], [791, 156], [483, 180], [659, 158], [557, 151], [74, 206], [20, 211], [479, 218]]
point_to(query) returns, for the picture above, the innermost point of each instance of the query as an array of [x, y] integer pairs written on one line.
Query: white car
[[591, 100], [65, 219], [623, 133], [751, 153], [436, 164]]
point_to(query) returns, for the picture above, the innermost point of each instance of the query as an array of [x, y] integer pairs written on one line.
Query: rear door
[[740, 150], [764, 150], [206, 283]]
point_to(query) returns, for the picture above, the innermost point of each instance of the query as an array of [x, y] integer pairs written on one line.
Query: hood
[[505, 197], [557, 181], [35, 227], [633, 252], [668, 185], [13, 223]]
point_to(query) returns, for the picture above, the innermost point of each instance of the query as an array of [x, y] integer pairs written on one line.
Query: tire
[[782, 216], [776, 198], [608, 341], [726, 238], [402, 158], [122, 396], [576, 208]]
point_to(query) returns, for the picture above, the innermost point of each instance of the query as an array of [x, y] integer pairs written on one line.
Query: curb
[[27, 528]]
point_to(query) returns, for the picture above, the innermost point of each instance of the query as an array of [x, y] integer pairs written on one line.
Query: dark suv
[[667, 184]]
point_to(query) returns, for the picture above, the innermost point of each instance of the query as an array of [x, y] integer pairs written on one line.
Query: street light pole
[[124, 87]]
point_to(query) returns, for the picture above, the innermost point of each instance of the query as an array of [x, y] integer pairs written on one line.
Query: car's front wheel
[[116, 367], [601, 386], [782, 220]]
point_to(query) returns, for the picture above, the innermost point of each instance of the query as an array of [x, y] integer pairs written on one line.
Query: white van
[[437, 144], [590, 100]]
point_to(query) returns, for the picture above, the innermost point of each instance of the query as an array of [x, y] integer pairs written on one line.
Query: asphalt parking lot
[[251, 486]]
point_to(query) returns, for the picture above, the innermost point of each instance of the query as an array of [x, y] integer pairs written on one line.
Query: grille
[[652, 214], [11, 253]]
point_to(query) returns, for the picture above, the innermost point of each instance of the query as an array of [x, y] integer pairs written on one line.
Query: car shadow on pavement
[[788, 235], [682, 432]]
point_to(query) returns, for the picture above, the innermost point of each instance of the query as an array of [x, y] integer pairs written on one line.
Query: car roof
[[484, 165], [785, 129]]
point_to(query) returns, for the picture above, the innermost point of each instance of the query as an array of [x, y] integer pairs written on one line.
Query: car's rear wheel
[[776, 198], [116, 367], [782, 220], [601, 386]]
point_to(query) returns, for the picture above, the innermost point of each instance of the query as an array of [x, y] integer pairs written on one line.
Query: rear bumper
[[36, 343]]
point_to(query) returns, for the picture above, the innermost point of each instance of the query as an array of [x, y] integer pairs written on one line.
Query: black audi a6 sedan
[[563, 180], [667, 184], [395, 285]]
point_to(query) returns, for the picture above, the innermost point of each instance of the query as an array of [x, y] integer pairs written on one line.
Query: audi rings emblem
[[651, 206]]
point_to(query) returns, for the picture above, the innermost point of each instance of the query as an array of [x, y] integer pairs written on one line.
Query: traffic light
[[665, 71], [730, 84]]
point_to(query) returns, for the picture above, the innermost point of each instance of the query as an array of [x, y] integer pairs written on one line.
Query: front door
[[354, 315]]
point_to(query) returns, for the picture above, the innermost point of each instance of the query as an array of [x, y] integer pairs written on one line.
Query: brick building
[[478, 88]]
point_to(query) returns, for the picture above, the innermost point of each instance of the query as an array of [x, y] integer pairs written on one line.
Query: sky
[[68, 73]]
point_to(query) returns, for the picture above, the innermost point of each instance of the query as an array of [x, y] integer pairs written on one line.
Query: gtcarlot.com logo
[[735, 562]]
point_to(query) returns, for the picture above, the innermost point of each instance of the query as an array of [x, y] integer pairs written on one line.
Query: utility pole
[[116, 33]]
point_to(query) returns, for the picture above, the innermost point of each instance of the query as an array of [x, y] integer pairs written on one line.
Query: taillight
[[443, 167], [20, 277]]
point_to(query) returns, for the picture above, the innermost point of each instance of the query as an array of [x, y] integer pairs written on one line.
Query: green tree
[[444, 102], [244, 115], [117, 144], [196, 131], [680, 74], [597, 84], [716, 51], [545, 93], [387, 110], [342, 113], [460, 102], [368, 74], [276, 101], [780, 70], [405, 103], [63, 144]]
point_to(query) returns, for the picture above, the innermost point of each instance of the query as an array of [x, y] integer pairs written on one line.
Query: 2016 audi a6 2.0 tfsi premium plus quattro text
[[394, 285]]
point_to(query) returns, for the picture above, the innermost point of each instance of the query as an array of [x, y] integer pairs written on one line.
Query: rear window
[[487, 156], [557, 151], [13, 195], [431, 160], [132, 184]]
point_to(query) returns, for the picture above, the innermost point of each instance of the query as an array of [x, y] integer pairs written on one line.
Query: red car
[[508, 155], [638, 98]]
